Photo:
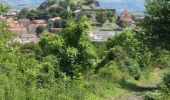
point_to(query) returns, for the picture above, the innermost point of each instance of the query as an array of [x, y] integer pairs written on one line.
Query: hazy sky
[[119, 5]]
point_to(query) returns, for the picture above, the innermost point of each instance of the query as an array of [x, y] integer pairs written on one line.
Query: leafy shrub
[[163, 59], [166, 81], [156, 95], [32, 48], [111, 72]]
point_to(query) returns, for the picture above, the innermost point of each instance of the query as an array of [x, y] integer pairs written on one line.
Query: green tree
[[157, 23], [33, 14], [23, 13], [67, 2], [66, 14], [32, 48], [4, 8], [40, 30], [129, 53], [73, 49], [166, 81], [101, 18], [58, 24]]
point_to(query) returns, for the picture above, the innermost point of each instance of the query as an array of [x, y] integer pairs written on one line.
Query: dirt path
[[138, 91], [130, 96], [138, 94]]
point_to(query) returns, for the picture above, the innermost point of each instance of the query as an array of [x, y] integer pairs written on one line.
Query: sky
[[119, 5]]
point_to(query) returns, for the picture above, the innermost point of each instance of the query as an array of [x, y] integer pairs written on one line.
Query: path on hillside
[[138, 94], [138, 91]]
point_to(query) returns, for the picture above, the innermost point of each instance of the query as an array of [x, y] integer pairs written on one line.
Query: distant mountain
[[16, 3], [19, 4], [119, 5]]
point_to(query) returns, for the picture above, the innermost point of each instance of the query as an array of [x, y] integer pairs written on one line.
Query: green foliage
[[156, 23], [166, 82], [156, 95], [73, 49], [163, 57], [122, 23], [100, 48], [111, 72], [49, 9], [132, 55], [4, 7], [101, 18], [75, 32], [40, 30], [61, 67], [66, 14], [58, 24], [126, 39], [23, 13], [32, 48], [5, 33]]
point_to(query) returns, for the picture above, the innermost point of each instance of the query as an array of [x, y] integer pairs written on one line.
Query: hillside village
[[26, 28], [78, 50]]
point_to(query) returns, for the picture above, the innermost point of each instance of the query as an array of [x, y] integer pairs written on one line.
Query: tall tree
[[40, 30], [23, 13], [101, 18], [4, 8], [73, 48], [157, 23]]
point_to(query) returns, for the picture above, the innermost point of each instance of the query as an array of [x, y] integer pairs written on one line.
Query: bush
[[156, 95], [101, 18], [111, 72], [166, 81], [163, 59]]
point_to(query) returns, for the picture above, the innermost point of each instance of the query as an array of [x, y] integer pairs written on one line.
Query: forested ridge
[[69, 66]]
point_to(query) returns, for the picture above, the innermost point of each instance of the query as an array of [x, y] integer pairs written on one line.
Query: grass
[[106, 29], [148, 78], [94, 24], [108, 86], [100, 48], [102, 89]]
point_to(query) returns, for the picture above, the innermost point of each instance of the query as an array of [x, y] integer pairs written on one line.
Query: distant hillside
[[19, 4], [119, 5], [16, 3]]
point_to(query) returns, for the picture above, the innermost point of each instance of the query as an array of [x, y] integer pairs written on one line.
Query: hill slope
[[119, 5]]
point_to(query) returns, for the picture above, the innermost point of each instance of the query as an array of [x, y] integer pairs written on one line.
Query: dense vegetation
[[48, 9], [53, 8], [70, 67]]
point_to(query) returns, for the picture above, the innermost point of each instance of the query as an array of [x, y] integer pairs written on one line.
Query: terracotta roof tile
[[55, 19], [125, 13], [28, 36], [55, 29], [39, 21]]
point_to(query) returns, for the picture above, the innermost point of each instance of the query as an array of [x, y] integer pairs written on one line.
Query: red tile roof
[[125, 13], [23, 20], [28, 36], [18, 29], [13, 13], [39, 21], [55, 19], [55, 29]]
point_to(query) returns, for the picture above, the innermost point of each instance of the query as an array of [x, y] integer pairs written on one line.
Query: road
[[101, 36]]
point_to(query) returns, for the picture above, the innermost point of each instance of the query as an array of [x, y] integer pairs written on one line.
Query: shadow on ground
[[133, 87]]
